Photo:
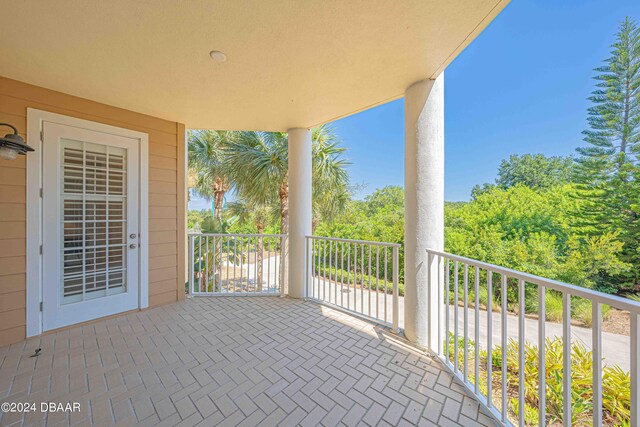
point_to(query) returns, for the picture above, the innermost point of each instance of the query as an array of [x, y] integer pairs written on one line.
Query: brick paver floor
[[232, 361]]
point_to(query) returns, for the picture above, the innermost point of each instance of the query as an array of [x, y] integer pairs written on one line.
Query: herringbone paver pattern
[[232, 361]]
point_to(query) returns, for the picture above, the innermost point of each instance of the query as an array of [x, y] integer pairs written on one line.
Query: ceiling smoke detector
[[218, 56]]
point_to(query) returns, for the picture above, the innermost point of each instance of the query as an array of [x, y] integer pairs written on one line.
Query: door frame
[[36, 220]]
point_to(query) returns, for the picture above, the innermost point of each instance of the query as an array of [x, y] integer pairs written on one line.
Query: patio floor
[[232, 361]]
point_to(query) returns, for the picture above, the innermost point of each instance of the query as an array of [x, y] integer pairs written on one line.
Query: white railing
[[456, 348], [236, 264], [354, 275]]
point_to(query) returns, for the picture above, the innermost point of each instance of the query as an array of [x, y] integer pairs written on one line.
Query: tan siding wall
[[166, 197]]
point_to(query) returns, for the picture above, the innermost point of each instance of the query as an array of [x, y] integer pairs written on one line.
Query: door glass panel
[[93, 205]]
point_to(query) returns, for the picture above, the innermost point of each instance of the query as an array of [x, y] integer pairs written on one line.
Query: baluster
[[342, 274], [385, 283], [192, 273], [476, 284], [349, 276], [206, 264], [465, 306], [489, 339], [396, 297], [446, 317], [455, 316], [566, 358], [235, 259], [521, 341], [377, 282], [635, 369], [362, 278], [369, 281], [542, 364], [440, 306], [503, 315]]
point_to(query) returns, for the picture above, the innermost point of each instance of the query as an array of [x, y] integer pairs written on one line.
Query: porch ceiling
[[290, 63]]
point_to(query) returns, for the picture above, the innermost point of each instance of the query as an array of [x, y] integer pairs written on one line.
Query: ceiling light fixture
[[218, 56], [12, 144]]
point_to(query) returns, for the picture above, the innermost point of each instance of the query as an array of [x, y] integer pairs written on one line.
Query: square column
[[300, 208], [424, 206]]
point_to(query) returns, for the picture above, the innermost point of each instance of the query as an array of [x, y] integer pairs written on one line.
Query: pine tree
[[607, 169]]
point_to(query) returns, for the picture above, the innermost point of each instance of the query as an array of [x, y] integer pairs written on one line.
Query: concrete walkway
[[615, 348]]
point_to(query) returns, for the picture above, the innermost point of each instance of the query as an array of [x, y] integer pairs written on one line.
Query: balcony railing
[[236, 264], [354, 275], [460, 279]]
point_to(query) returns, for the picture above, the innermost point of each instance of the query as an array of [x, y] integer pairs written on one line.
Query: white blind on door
[[94, 220]]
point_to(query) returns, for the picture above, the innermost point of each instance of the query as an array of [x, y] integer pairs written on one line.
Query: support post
[[300, 211], [424, 207]]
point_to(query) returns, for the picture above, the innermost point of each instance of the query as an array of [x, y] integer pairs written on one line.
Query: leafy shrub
[[616, 398]]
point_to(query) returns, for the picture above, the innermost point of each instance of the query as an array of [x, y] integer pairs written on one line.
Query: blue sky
[[520, 87]]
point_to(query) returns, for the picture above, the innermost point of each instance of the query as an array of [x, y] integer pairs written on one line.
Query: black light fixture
[[12, 144]]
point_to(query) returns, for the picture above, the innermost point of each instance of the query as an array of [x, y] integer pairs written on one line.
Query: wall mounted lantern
[[12, 144]]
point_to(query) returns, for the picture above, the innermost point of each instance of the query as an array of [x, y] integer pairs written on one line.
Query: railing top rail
[[234, 235], [612, 300], [366, 242]]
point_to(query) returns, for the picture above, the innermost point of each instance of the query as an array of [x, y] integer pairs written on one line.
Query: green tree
[[533, 231], [259, 165], [607, 167], [331, 190], [531, 170], [195, 218], [379, 217], [534, 171], [479, 190], [207, 168]]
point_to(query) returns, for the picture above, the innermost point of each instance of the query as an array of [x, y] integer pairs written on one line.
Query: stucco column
[[424, 203], [300, 212]]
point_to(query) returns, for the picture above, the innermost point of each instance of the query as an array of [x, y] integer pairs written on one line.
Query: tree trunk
[[220, 187], [259, 257], [218, 201], [284, 206]]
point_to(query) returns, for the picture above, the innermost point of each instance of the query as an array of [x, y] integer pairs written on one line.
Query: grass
[[581, 309], [553, 306]]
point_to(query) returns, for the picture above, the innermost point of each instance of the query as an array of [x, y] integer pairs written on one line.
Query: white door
[[89, 225]]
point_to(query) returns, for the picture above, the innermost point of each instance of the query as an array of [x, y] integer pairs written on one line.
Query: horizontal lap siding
[[166, 197]]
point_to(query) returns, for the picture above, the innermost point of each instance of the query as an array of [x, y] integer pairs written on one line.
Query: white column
[[424, 204], [300, 211]]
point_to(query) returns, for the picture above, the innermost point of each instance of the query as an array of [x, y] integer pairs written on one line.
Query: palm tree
[[260, 216], [330, 178], [258, 163], [206, 166]]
